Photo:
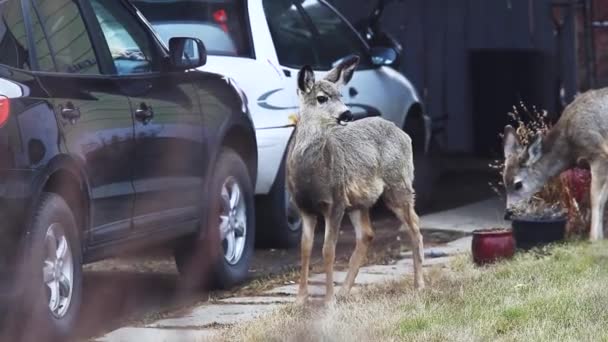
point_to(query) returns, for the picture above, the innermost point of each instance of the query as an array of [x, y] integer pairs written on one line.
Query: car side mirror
[[187, 53], [381, 55]]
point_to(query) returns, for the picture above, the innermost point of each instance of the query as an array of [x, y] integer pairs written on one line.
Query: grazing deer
[[335, 167], [581, 133]]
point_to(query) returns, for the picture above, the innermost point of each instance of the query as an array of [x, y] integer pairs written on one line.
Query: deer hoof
[[329, 301], [343, 293], [594, 236], [302, 299]]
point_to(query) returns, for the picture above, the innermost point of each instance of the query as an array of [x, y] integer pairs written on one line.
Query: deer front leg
[[309, 223], [332, 227], [365, 234], [599, 194]]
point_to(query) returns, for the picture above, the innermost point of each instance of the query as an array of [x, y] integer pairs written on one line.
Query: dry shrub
[[577, 204], [556, 198]]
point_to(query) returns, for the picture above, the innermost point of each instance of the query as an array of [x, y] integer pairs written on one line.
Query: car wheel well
[[415, 127], [236, 139], [64, 184]]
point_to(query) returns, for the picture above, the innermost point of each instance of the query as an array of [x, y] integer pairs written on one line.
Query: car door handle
[[69, 112], [352, 92], [144, 113]]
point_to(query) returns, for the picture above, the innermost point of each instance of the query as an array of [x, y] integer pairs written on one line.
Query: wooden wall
[[438, 35]]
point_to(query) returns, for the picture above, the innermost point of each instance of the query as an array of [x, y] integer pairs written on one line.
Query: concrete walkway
[[485, 214], [200, 323]]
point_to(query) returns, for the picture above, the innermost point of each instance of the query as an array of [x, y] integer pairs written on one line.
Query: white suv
[[261, 44]]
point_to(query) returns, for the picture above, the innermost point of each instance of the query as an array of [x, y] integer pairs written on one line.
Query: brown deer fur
[[581, 133], [335, 167]]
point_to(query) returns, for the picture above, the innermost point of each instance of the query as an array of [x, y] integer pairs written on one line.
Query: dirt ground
[[388, 243], [143, 288]]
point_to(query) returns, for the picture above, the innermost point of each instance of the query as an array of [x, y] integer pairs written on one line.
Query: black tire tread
[[195, 253], [50, 207], [272, 227]]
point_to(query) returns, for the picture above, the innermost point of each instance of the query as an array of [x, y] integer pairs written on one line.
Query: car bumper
[[15, 198], [272, 143]]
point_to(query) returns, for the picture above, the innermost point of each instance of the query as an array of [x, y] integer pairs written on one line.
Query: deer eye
[[518, 185], [322, 99]]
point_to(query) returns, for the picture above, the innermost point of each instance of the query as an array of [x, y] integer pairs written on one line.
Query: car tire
[[427, 169], [50, 273], [278, 220], [220, 257]]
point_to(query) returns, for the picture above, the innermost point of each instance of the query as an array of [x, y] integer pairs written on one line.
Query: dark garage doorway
[[500, 79]]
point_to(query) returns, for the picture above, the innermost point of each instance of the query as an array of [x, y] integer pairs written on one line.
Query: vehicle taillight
[[5, 109], [221, 18]]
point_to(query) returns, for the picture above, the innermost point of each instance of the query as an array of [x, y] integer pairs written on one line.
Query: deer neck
[[312, 127], [312, 137], [556, 155], [311, 120]]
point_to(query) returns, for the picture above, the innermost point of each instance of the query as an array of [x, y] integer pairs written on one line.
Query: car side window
[[13, 39], [293, 39], [60, 23], [44, 59], [129, 44], [220, 24], [337, 38]]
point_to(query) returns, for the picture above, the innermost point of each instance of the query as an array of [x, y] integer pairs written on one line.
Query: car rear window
[[220, 24], [13, 39], [61, 22]]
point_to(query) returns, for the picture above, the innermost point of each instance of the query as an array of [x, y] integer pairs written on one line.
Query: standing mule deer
[[581, 133], [333, 167]]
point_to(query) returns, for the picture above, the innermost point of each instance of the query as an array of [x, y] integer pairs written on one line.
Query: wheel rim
[[58, 270], [294, 221], [233, 221]]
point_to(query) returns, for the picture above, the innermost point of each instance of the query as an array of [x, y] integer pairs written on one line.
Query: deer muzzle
[[346, 116], [508, 214]]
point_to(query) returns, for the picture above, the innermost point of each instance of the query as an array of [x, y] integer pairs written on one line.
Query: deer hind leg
[[401, 203], [599, 194], [309, 223], [333, 219], [364, 234]]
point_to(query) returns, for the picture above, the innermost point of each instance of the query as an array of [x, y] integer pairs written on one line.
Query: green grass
[[557, 294]]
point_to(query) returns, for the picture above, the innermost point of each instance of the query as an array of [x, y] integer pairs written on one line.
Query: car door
[[94, 118], [373, 90], [170, 149], [224, 27]]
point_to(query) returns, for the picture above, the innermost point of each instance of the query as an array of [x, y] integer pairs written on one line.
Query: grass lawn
[[556, 294]]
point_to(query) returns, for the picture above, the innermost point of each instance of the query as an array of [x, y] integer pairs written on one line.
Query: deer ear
[[511, 142], [306, 79], [343, 72], [535, 150]]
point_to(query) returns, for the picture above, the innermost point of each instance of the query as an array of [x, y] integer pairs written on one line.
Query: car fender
[[75, 167]]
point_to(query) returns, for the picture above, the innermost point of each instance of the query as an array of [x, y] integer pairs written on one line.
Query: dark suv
[[109, 140]]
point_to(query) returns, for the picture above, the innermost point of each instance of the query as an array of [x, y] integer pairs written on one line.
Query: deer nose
[[508, 214], [346, 116]]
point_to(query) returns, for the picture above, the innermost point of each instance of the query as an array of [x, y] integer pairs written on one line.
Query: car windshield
[[220, 24], [122, 45], [337, 39]]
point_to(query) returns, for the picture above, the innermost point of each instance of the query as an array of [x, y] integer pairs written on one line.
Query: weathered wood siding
[[438, 36]]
